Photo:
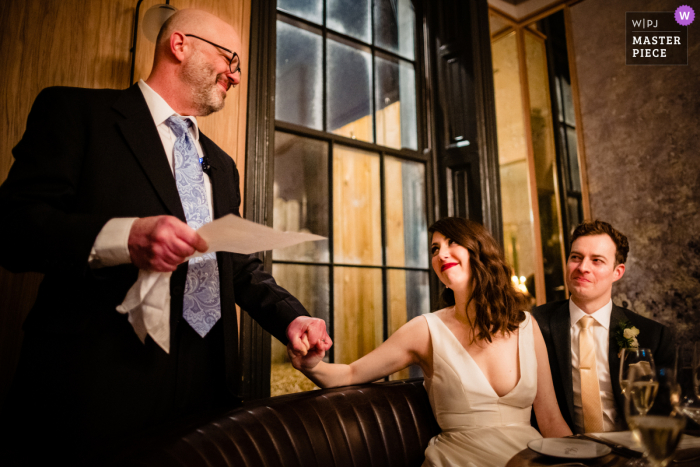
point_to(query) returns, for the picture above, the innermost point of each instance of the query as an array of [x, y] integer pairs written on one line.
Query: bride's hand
[[307, 360]]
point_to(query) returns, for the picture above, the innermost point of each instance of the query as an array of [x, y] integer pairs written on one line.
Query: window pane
[[560, 103], [396, 104], [406, 224], [575, 217], [299, 76], [301, 194], [394, 26], [568, 103], [574, 172], [349, 88], [357, 233], [311, 10], [409, 296], [351, 17], [310, 285], [358, 324]]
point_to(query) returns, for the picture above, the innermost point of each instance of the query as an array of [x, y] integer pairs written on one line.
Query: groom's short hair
[[598, 227]]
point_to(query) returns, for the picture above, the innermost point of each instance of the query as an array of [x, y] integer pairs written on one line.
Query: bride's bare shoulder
[[416, 328]]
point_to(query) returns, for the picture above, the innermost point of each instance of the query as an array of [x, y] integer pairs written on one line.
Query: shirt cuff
[[111, 246]]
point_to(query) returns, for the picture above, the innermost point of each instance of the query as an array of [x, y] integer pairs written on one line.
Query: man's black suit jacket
[[88, 156], [555, 322]]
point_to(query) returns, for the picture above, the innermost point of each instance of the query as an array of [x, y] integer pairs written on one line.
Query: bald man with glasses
[[109, 182]]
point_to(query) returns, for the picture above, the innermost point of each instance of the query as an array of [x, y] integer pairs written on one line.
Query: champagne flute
[[691, 403], [641, 358], [660, 432]]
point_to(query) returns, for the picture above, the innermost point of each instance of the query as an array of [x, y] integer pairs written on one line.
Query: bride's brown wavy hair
[[499, 305]]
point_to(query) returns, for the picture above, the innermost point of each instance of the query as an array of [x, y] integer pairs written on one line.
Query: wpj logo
[[650, 23], [658, 37]]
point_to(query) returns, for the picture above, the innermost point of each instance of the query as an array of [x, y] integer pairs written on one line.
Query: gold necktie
[[590, 388]]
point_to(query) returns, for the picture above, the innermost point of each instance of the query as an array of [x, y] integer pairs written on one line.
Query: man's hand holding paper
[[161, 243], [158, 244]]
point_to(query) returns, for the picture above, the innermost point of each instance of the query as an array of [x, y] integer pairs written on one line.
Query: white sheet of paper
[[147, 302], [237, 235], [626, 439]]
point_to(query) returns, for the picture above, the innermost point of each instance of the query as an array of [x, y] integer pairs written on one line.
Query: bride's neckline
[[481, 372]]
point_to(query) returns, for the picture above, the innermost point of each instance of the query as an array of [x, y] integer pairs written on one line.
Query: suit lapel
[[616, 316], [561, 338], [220, 180], [143, 139]]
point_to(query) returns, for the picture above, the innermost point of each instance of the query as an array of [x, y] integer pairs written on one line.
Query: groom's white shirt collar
[[602, 316]]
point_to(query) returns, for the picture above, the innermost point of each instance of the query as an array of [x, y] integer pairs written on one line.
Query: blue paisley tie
[[201, 304]]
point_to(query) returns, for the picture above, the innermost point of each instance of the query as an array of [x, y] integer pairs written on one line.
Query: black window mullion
[[374, 91], [300, 130], [420, 84], [385, 290], [324, 96], [394, 55], [299, 22], [331, 248], [353, 41], [348, 265]]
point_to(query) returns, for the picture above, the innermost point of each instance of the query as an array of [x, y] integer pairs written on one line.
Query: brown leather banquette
[[378, 424]]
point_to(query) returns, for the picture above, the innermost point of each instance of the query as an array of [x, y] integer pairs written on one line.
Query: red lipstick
[[447, 266]]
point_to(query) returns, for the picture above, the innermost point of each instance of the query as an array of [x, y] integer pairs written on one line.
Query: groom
[[580, 333]]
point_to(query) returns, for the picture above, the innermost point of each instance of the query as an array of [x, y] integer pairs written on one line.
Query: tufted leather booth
[[369, 425]]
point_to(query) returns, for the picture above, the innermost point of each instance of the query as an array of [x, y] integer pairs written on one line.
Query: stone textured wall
[[642, 141]]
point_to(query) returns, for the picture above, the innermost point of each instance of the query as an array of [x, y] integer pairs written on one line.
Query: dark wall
[[642, 142]]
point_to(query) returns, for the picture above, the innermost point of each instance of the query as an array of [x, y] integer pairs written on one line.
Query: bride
[[484, 359]]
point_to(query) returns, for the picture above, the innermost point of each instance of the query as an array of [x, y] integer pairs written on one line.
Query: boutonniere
[[626, 337]]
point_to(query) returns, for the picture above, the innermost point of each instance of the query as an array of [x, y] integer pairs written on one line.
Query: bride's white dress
[[479, 428]]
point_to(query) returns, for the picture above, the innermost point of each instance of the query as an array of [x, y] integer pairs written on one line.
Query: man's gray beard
[[197, 72]]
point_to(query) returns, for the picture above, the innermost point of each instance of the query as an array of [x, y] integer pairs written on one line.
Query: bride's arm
[[408, 345], [549, 419]]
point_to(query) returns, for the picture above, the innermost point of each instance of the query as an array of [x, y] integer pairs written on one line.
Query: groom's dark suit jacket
[[554, 321], [88, 156]]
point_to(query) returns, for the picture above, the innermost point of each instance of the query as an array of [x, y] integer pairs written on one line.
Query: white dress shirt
[[600, 332], [111, 245]]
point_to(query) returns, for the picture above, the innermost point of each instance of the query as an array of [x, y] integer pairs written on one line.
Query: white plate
[[569, 448]]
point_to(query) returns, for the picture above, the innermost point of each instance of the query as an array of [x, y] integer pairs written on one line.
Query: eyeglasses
[[234, 64]]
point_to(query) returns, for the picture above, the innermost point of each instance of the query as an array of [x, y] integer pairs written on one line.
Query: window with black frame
[[565, 123], [348, 165]]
